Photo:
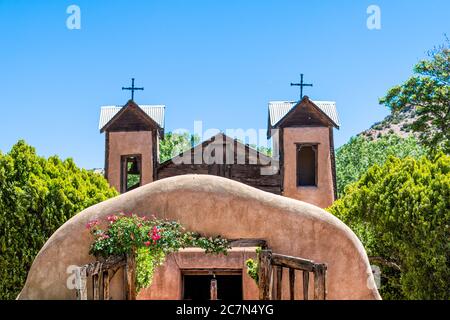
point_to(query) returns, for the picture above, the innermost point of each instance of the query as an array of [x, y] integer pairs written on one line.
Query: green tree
[[37, 196], [429, 91], [401, 213], [355, 157], [264, 150], [174, 143]]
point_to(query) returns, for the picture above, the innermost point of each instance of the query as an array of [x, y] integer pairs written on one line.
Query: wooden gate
[[100, 274], [271, 276]]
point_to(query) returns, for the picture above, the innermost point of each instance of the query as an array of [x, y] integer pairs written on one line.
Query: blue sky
[[215, 61]]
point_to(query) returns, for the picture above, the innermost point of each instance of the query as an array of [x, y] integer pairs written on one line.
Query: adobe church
[[248, 198], [301, 131]]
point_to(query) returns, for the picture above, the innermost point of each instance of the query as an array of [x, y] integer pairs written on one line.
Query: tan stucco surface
[[213, 205], [129, 143], [322, 195]]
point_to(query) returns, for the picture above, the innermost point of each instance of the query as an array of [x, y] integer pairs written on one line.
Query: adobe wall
[[322, 195], [214, 206], [129, 143]]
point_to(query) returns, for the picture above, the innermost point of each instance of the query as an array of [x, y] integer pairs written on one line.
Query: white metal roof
[[278, 109], [156, 112]]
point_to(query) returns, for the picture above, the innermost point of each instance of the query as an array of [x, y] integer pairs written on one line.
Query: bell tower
[[132, 134], [306, 149]]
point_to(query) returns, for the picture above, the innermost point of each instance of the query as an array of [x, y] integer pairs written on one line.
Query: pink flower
[[102, 236], [91, 224], [112, 218], [147, 243], [156, 237]]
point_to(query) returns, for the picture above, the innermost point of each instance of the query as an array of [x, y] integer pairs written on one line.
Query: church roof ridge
[[278, 109], [211, 139], [281, 101], [140, 105], [156, 112]]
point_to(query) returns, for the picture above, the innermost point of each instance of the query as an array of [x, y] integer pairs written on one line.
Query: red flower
[[156, 237], [112, 218], [147, 243], [91, 224]]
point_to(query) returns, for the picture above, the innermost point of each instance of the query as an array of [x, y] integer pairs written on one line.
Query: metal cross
[[301, 85], [132, 88]]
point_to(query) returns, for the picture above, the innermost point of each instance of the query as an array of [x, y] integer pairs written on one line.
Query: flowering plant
[[150, 240]]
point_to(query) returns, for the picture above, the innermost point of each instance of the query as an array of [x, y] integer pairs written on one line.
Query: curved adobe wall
[[214, 205]]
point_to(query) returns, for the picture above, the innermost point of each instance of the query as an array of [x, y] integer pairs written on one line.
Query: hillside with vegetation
[[398, 123], [356, 157]]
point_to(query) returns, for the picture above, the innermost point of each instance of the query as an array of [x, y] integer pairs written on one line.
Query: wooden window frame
[[123, 171], [315, 147], [207, 272]]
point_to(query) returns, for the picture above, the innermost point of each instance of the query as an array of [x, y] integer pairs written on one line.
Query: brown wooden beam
[[320, 282], [265, 271], [105, 285], [213, 289], [305, 285], [130, 278], [110, 263], [205, 271], [279, 283], [293, 262], [292, 283], [96, 287], [245, 243]]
